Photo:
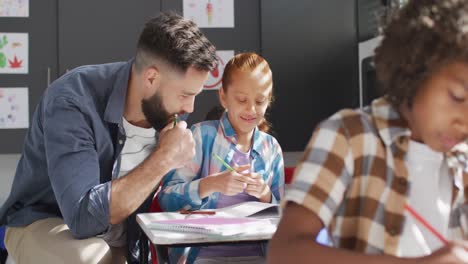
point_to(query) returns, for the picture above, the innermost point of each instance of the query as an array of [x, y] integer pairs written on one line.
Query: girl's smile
[[250, 120]]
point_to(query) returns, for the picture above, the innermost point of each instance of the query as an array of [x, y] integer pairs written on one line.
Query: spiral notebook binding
[[183, 228]]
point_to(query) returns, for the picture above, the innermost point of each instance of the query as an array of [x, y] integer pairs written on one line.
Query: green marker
[[175, 120], [223, 162]]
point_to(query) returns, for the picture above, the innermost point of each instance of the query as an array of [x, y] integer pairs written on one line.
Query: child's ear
[[222, 97]]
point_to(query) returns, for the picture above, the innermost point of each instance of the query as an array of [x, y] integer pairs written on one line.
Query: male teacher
[[100, 141]]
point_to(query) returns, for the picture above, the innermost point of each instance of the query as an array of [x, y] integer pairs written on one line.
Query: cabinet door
[[312, 49], [41, 25], [92, 32]]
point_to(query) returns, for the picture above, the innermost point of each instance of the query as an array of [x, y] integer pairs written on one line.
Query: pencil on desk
[[185, 211], [223, 162], [426, 224]]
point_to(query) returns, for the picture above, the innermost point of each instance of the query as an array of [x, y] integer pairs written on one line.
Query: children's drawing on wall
[[14, 8], [13, 52], [210, 13], [14, 108], [215, 76]]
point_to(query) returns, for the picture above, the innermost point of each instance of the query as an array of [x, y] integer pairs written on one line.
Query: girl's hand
[[226, 182], [258, 188]]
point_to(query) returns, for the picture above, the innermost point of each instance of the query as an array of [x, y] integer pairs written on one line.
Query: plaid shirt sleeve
[[277, 174], [180, 186], [325, 171]]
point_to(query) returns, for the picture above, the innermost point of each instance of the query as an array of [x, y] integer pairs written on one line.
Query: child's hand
[[258, 188], [455, 252], [226, 182]]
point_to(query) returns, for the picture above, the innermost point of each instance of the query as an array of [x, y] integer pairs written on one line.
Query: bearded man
[[100, 141]]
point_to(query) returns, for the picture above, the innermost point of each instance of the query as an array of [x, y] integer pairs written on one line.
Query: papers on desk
[[249, 221], [232, 220], [251, 209]]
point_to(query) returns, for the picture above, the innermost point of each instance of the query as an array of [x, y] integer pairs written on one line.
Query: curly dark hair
[[421, 38], [176, 41]]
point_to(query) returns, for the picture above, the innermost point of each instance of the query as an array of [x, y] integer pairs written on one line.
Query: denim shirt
[[180, 187], [71, 151]]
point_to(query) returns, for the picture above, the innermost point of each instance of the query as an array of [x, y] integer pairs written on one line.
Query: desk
[[164, 239]]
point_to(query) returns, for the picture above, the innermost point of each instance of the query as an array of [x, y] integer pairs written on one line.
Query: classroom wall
[[311, 47], [76, 41], [42, 28], [312, 50], [8, 164]]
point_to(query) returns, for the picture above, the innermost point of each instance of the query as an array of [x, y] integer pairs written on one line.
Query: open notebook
[[211, 225], [251, 209], [237, 219]]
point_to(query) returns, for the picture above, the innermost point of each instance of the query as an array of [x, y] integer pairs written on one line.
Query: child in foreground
[[362, 168]]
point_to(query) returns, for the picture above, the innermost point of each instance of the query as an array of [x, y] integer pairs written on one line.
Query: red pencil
[[425, 224], [184, 211]]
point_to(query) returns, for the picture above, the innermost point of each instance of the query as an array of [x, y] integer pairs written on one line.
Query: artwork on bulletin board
[[215, 76], [14, 8], [210, 13], [13, 53], [14, 108]]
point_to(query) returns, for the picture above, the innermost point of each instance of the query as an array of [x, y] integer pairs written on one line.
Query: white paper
[[160, 237], [250, 209], [14, 8], [14, 108], [14, 53], [215, 76], [210, 13]]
